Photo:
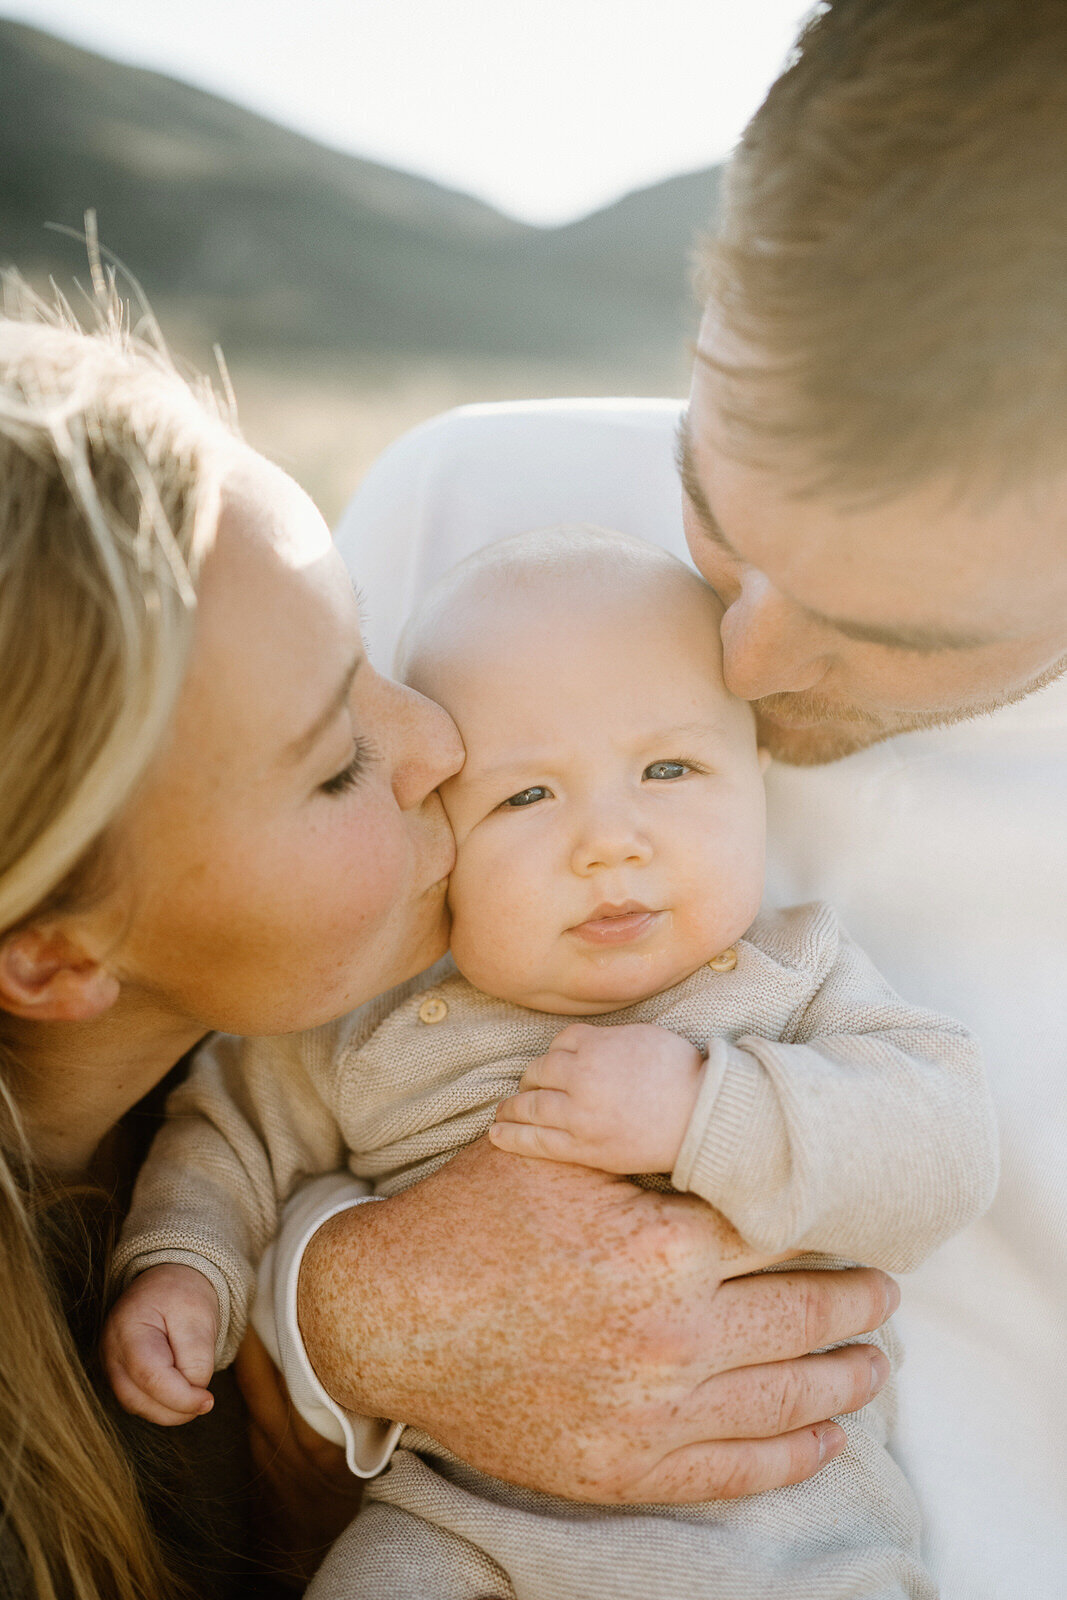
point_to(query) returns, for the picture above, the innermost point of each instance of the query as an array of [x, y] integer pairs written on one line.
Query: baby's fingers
[[534, 1124], [530, 1139], [556, 1069], [141, 1369], [543, 1108], [191, 1338]]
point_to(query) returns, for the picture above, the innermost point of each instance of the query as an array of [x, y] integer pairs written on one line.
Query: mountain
[[272, 242]]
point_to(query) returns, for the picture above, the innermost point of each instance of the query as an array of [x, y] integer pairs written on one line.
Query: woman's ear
[[764, 758], [48, 976]]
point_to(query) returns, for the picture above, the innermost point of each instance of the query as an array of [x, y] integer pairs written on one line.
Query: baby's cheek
[[495, 942], [489, 960], [478, 923]]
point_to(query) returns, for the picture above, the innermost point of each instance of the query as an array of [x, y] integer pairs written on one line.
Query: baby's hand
[[618, 1099], [158, 1347]]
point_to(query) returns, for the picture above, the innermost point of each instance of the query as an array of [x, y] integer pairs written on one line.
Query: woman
[[213, 813]]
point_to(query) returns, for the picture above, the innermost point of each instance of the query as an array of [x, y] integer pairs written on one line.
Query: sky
[[546, 108]]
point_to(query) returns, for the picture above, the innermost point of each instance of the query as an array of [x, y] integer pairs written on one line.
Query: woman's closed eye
[[342, 782]]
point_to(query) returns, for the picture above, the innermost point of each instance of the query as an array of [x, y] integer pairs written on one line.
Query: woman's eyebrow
[[302, 746]]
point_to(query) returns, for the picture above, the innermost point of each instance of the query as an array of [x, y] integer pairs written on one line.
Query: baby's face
[[610, 815]]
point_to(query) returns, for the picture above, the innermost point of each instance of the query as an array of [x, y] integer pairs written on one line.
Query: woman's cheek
[[363, 865]]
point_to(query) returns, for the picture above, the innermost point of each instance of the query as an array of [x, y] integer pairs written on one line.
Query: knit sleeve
[[247, 1126], [866, 1131]]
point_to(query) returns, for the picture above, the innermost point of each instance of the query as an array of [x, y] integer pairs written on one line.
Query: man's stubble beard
[[833, 732]]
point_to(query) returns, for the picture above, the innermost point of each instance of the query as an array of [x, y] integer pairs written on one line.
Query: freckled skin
[[258, 903], [605, 1319]]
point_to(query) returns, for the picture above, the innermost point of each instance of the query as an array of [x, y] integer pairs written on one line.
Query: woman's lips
[[616, 924]]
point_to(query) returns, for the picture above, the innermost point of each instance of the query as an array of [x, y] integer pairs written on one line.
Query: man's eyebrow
[[302, 746], [925, 640], [895, 637], [694, 491]]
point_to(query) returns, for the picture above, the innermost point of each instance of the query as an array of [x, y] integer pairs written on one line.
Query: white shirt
[[945, 853]]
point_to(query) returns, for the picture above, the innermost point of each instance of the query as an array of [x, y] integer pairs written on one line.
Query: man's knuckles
[[790, 1407], [668, 1239], [837, 1306]]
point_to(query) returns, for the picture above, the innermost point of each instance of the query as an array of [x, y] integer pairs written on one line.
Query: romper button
[[433, 1009], [726, 961]]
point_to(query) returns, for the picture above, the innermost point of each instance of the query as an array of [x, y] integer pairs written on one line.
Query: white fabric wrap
[[368, 1441]]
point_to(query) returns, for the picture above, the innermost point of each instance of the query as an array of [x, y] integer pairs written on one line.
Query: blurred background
[[382, 208]]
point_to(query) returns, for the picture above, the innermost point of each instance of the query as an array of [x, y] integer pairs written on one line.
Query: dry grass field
[[325, 427]]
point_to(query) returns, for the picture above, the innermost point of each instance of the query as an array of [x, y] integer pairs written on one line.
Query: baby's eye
[[529, 797], [667, 769]]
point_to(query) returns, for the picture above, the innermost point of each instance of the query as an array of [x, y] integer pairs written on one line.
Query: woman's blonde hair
[[110, 466]]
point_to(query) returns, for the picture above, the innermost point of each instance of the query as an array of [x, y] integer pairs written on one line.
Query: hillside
[[273, 243]]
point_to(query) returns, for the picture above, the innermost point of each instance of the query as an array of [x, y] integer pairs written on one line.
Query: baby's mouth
[[616, 924]]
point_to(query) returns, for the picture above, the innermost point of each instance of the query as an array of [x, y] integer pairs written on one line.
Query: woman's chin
[[432, 942], [426, 943]]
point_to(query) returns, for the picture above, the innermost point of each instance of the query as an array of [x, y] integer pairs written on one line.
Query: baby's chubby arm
[[158, 1347], [247, 1124], [615, 1098]]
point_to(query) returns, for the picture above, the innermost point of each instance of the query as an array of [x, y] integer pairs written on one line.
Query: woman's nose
[[425, 746], [611, 841], [768, 645]]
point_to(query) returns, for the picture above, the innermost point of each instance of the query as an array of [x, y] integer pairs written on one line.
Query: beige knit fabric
[[833, 1118]]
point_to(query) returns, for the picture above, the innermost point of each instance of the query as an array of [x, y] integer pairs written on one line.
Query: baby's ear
[[764, 758]]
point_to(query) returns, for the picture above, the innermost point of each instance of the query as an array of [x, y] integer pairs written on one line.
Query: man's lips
[[616, 924]]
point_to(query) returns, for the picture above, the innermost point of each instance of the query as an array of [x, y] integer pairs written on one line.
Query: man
[[875, 470]]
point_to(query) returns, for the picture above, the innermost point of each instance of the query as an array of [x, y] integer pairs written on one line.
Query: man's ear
[[48, 976], [764, 758]]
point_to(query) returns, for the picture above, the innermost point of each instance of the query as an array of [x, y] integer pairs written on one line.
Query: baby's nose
[[611, 844]]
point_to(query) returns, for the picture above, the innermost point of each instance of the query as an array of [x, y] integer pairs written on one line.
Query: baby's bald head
[[498, 600]]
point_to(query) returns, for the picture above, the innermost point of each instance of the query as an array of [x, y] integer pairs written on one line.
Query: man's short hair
[[893, 250]]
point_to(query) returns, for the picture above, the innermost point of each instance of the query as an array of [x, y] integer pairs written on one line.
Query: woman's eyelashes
[[349, 775]]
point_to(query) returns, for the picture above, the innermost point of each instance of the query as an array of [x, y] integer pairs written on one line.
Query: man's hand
[[158, 1347], [565, 1330], [615, 1098]]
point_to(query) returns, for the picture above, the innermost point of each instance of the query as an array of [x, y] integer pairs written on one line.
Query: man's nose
[[611, 839], [769, 646], [425, 746]]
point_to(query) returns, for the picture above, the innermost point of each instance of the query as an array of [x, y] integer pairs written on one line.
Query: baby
[[609, 822]]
